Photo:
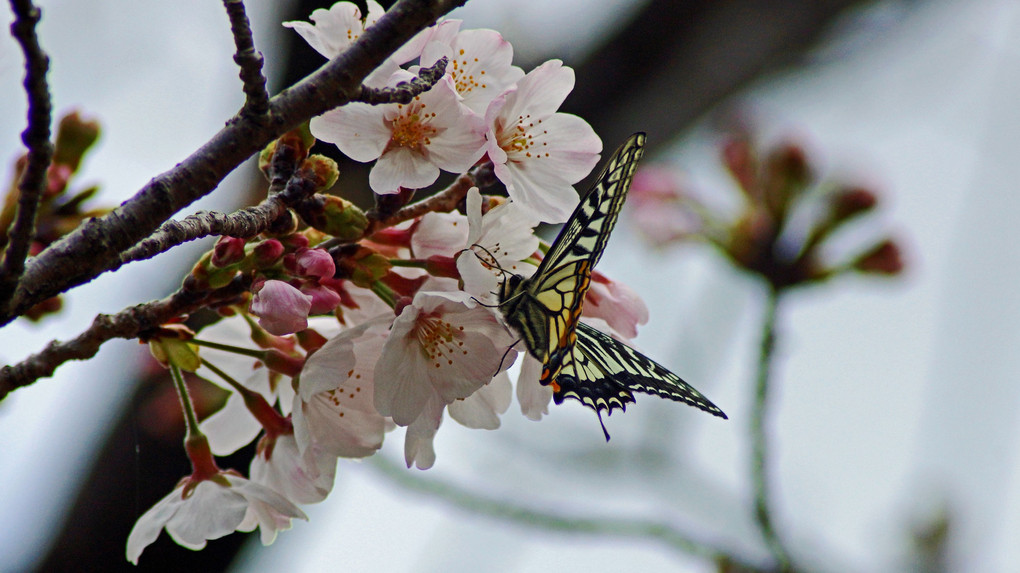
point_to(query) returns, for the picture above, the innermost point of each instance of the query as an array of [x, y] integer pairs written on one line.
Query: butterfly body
[[578, 360]]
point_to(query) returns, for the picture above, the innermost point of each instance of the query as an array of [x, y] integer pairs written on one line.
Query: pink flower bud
[[228, 250], [324, 299], [314, 263], [281, 308], [267, 253]]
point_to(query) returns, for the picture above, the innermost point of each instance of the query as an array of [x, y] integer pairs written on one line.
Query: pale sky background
[[893, 398]]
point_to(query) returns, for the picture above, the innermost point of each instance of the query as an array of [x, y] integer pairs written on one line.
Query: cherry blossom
[[496, 243], [479, 62], [411, 142], [443, 346], [536, 152], [336, 28], [201, 509], [300, 477], [233, 426], [333, 410]]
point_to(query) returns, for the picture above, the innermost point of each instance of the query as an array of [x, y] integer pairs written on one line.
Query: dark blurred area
[[673, 61]]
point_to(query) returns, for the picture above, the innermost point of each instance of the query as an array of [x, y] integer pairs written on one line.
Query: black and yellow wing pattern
[[580, 361]]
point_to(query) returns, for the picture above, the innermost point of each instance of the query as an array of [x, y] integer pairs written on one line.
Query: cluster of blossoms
[[360, 323], [787, 225]]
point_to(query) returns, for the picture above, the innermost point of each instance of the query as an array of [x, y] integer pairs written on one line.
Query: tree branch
[[36, 138], [244, 223], [84, 254], [442, 202], [256, 103], [128, 323], [404, 92]]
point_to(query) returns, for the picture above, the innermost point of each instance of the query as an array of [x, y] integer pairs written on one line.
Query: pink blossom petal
[[315, 263], [281, 308]]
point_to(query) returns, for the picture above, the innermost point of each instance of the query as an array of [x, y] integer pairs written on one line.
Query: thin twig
[[442, 202], [256, 103], [404, 92], [128, 323], [763, 507], [644, 529], [36, 138], [85, 253], [243, 223]]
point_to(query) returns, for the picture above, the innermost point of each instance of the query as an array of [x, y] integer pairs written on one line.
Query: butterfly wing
[[603, 373], [545, 308]]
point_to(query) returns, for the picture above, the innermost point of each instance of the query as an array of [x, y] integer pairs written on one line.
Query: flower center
[[518, 139], [464, 80], [411, 127], [439, 339]]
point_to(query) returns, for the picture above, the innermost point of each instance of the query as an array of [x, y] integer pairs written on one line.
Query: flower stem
[[190, 419], [385, 293], [252, 353], [763, 508]]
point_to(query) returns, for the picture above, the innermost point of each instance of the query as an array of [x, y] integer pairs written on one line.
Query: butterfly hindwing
[[600, 361]]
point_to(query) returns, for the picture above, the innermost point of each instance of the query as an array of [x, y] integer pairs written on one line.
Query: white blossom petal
[[418, 440], [533, 397], [482, 409]]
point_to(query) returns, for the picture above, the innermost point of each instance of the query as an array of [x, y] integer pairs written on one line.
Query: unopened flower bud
[[74, 137], [885, 258], [324, 299], [267, 253], [361, 265], [295, 241], [281, 308], [850, 202], [314, 263], [227, 251], [322, 171], [334, 216]]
